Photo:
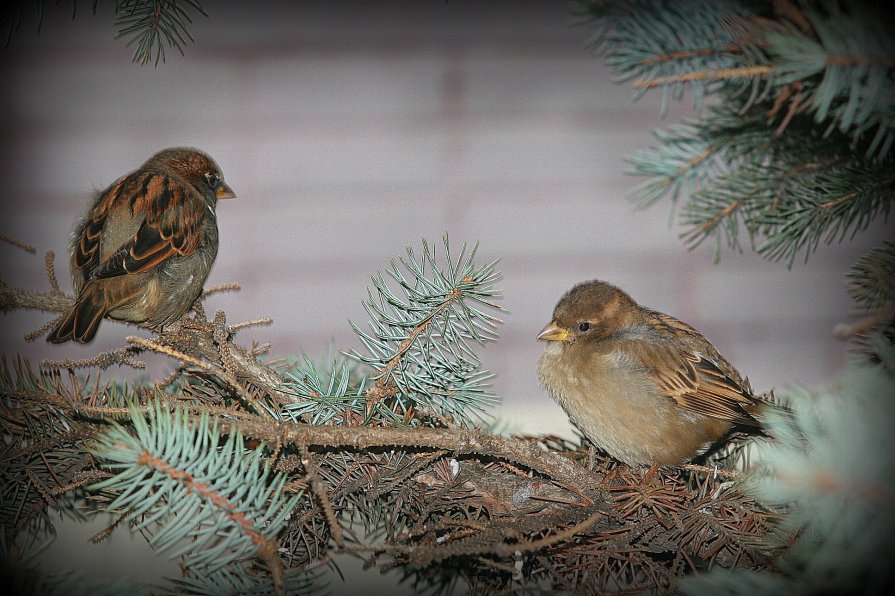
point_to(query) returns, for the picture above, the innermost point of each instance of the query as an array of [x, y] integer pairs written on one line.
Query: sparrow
[[146, 246], [643, 386]]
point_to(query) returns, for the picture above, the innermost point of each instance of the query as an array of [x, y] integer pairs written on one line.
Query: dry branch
[[195, 340], [447, 495]]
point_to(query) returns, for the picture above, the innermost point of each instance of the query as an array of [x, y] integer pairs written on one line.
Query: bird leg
[[591, 456]]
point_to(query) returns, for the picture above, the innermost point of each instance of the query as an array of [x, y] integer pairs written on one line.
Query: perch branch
[[457, 440]]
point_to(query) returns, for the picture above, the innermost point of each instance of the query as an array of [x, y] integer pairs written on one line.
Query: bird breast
[[614, 402]]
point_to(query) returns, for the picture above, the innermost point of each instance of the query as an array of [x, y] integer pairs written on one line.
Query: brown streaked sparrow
[[643, 386], [146, 246]]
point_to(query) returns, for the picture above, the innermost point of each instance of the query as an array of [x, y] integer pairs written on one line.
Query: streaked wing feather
[[85, 255], [172, 226], [703, 383]]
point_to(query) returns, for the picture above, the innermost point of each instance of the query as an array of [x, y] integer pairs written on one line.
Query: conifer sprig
[[419, 347], [831, 469], [150, 25], [324, 396], [872, 279], [201, 496], [793, 144]]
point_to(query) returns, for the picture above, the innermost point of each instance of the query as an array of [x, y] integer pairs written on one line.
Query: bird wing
[[688, 369], [172, 215]]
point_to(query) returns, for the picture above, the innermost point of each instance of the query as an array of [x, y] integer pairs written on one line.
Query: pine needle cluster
[[792, 145], [251, 473], [150, 26]]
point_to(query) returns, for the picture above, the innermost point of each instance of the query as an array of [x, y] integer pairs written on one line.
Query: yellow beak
[[554, 332], [224, 192]]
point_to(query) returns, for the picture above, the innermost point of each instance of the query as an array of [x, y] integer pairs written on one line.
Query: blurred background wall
[[352, 129]]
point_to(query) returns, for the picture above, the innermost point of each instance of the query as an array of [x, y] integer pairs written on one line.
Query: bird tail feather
[[82, 321]]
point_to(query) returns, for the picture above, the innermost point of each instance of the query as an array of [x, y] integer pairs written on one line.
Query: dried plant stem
[[50, 265], [16, 298], [107, 531], [244, 366], [18, 243], [318, 487], [252, 323], [548, 541], [229, 287], [705, 75], [104, 360], [241, 391], [457, 441], [148, 344], [711, 471], [42, 330]]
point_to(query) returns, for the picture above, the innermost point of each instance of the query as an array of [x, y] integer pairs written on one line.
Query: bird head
[[590, 311], [197, 168]]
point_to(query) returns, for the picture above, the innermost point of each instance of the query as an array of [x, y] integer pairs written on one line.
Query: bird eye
[[584, 326], [212, 179]]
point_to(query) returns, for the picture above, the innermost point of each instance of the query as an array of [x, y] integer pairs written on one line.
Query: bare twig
[[16, 298], [121, 356], [50, 265], [107, 531], [706, 75], [149, 344], [18, 243], [44, 492], [253, 323], [318, 487], [228, 287], [207, 367], [456, 440], [42, 330], [193, 339], [553, 539]]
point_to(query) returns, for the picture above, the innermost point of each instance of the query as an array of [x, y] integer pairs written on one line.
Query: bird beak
[[224, 192], [554, 332]]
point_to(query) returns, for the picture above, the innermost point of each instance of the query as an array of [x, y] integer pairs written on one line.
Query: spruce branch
[[852, 54], [738, 175], [457, 441], [419, 348], [831, 469], [658, 44], [50, 264], [120, 356], [228, 287], [15, 298], [206, 346], [719, 74], [150, 25], [40, 455], [324, 397], [182, 482], [243, 579], [871, 281], [440, 500], [794, 148]]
